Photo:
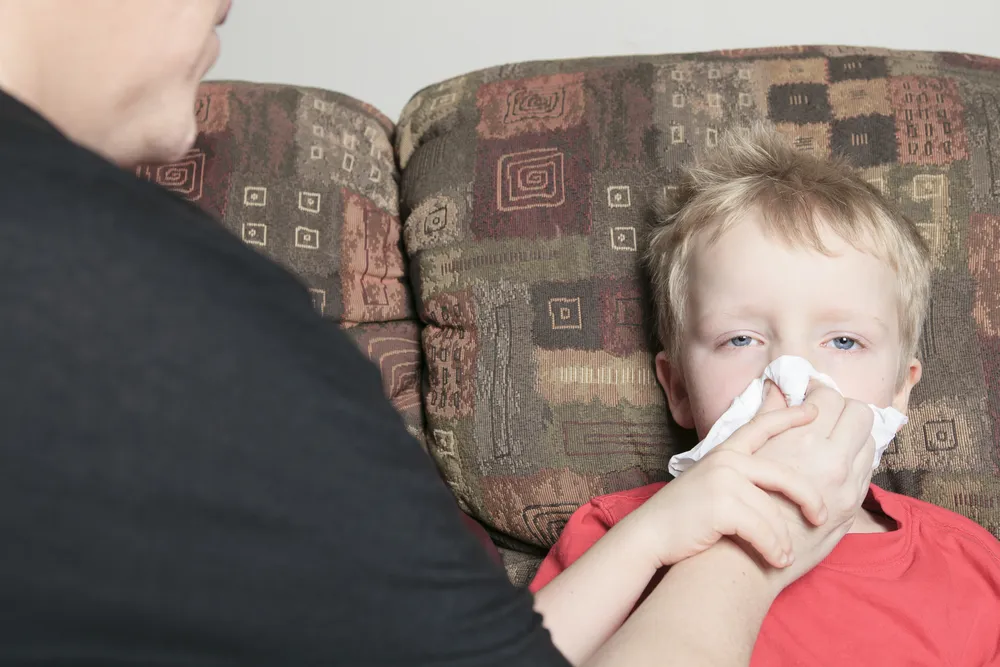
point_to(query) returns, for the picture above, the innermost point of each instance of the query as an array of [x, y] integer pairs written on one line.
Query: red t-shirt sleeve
[[974, 559], [952, 548], [587, 525], [982, 648]]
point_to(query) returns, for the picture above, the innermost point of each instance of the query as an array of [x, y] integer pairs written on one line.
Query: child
[[776, 252]]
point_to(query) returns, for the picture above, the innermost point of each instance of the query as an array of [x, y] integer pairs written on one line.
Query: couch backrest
[[524, 192]]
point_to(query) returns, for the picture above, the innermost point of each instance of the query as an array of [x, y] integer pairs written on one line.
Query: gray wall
[[383, 51]]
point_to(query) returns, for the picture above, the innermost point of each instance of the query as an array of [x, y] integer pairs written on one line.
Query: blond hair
[[798, 196]]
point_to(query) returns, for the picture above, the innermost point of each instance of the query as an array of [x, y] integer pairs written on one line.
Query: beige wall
[[383, 51]]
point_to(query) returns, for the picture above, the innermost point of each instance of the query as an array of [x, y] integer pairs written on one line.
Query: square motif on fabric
[[535, 187], [534, 178], [810, 138], [858, 67], [436, 220], [539, 104], [799, 103], [255, 233], [535, 103], [565, 316], [565, 313], [619, 196], [940, 435], [255, 196], [306, 238], [310, 202], [624, 238], [186, 177], [796, 70], [370, 263], [866, 140], [450, 344], [623, 310], [860, 98], [930, 120]]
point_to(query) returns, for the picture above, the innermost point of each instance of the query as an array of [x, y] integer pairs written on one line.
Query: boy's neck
[[868, 521]]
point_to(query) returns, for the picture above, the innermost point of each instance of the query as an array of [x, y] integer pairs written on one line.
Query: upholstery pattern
[[308, 178], [525, 189]]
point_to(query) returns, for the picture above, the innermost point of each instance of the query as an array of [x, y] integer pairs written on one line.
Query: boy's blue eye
[[844, 343], [740, 341]]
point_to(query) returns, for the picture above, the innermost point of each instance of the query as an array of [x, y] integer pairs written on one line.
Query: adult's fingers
[[862, 468], [853, 428], [771, 476], [830, 405], [765, 425]]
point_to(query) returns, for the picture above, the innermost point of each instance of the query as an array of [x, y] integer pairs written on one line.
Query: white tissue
[[792, 376]]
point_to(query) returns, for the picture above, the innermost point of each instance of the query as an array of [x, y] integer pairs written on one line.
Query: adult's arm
[[706, 612]]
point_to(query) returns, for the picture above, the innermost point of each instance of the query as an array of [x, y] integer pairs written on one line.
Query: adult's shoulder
[[64, 205], [51, 185], [89, 252]]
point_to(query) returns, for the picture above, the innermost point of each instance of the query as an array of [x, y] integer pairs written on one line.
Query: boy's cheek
[[727, 372], [716, 382], [868, 380]]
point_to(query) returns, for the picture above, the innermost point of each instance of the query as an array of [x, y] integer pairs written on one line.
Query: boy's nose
[[792, 351]]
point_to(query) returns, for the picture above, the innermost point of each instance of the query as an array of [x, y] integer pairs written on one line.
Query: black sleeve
[[195, 468]]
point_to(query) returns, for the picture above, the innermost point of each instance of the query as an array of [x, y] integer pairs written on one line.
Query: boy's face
[[753, 298]]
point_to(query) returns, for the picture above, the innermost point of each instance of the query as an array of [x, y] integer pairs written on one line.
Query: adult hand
[[834, 452], [726, 494]]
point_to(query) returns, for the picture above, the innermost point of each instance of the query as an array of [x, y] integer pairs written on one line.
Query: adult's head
[[117, 76]]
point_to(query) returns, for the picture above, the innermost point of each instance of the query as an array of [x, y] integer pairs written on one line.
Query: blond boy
[[773, 252]]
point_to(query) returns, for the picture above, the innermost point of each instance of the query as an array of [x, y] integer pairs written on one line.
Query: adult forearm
[[584, 605], [707, 611]]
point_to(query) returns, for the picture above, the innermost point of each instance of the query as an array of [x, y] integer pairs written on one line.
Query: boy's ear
[[672, 381], [913, 373]]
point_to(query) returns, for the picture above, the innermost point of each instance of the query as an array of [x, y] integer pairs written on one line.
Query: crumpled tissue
[[791, 375]]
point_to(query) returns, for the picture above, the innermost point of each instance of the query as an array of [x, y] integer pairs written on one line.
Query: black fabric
[[195, 468]]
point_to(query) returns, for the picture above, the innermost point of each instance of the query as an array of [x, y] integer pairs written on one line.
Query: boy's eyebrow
[[880, 322], [842, 315], [743, 313], [829, 316]]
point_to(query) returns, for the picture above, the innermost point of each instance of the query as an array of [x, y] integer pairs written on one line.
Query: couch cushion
[[525, 189], [308, 178]]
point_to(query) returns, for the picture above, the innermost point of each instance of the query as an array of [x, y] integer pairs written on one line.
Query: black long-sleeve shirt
[[195, 468]]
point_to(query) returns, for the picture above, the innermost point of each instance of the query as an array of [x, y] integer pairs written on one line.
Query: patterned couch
[[482, 252]]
